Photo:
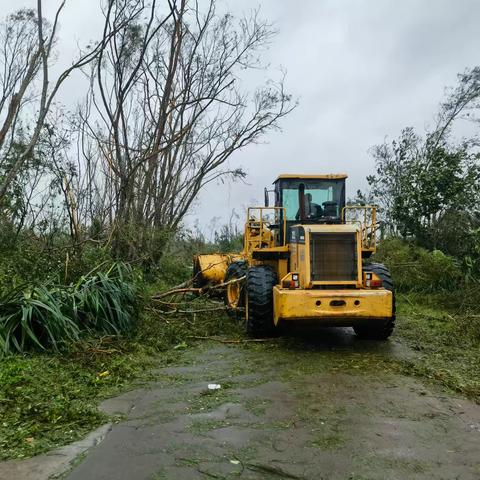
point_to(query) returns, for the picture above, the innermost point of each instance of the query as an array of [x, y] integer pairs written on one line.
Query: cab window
[[323, 199]]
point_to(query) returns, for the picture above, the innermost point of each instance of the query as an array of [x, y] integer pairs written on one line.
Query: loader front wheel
[[235, 292], [259, 300], [383, 328]]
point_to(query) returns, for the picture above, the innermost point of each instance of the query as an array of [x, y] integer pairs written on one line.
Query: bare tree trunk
[[173, 112]]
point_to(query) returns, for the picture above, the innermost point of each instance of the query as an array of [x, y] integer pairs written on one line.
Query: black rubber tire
[[236, 270], [379, 330], [259, 315]]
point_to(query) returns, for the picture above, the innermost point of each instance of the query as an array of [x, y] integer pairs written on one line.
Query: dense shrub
[[24, 257], [416, 269]]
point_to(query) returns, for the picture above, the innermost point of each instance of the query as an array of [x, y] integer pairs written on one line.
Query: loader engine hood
[[327, 255]]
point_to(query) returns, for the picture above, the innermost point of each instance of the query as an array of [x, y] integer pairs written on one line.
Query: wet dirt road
[[327, 407]]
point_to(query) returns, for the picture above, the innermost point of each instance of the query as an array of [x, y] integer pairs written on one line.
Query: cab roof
[[327, 176]]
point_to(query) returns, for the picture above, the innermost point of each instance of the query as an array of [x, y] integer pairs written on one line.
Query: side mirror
[[267, 201]]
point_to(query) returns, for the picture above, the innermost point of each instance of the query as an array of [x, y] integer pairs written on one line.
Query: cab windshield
[[324, 199]]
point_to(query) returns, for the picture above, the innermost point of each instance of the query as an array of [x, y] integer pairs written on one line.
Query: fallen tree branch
[[201, 310], [199, 291], [215, 339], [172, 303], [177, 291]]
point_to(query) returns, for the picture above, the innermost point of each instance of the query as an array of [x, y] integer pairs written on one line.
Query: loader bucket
[[211, 269]]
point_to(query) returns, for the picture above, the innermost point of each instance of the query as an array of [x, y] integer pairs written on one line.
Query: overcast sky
[[361, 70]]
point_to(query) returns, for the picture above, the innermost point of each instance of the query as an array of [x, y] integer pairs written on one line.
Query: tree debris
[[183, 289]]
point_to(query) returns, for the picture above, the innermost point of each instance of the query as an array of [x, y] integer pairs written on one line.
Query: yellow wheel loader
[[305, 259]]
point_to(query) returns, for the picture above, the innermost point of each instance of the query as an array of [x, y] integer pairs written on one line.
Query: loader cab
[[310, 199]]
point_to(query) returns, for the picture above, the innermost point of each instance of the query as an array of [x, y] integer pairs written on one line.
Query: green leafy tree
[[427, 187], [418, 184]]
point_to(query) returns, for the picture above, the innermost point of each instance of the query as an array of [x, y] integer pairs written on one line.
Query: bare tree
[[28, 92], [463, 101], [170, 110]]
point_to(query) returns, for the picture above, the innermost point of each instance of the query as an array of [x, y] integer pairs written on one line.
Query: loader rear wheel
[[380, 329], [235, 292], [259, 300]]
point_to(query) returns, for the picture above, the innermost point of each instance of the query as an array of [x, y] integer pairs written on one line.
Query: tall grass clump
[[105, 302], [46, 316], [32, 316]]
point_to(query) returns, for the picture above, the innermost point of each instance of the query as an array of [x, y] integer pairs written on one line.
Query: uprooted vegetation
[[87, 244], [49, 398], [75, 329], [438, 314], [446, 335]]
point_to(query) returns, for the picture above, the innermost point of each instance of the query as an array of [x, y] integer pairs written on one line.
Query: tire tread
[[260, 282], [379, 330]]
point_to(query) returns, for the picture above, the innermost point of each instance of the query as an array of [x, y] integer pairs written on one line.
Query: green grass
[[447, 339], [199, 427], [209, 400], [51, 399], [258, 406], [48, 400], [45, 401], [331, 441]]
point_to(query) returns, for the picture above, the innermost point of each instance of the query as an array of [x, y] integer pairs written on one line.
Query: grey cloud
[[362, 69]]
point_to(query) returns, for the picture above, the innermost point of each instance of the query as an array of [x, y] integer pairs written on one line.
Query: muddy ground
[[321, 405]]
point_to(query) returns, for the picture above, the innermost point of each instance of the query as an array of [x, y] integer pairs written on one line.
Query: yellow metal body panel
[[258, 235], [327, 228], [282, 268], [281, 249], [263, 246], [213, 267], [300, 255], [316, 305]]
